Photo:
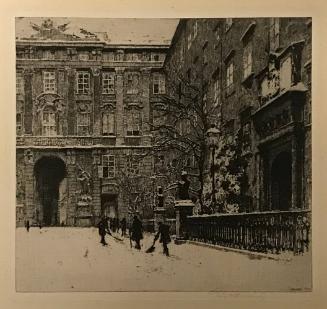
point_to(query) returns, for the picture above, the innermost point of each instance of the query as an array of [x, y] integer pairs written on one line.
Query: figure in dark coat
[[103, 229], [163, 232], [123, 226], [28, 225], [137, 232]]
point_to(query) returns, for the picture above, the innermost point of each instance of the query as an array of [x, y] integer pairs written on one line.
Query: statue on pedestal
[[183, 187], [84, 179]]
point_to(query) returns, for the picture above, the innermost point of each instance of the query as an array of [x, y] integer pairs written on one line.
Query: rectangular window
[[181, 52], [19, 83], [205, 103], [49, 123], [83, 124], [108, 166], [132, 83], [216, 91], [19, 123], [274, 33], [230, 77], [189, 40], [83, 83], [49, 82], [195, 29], [228, 23], [204, 52], [133, 123], [286, 73], [155, 57], [247, 60], [108, 124], [158, 84], [108, 83]]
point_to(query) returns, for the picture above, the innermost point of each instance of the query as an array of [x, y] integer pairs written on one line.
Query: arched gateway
[[49, 172]]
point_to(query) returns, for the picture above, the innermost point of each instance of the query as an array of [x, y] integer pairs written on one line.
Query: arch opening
[[49, 172]]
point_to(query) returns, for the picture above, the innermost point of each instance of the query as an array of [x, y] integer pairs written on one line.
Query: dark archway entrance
[[281, 182], [109, 205], [49, 172]]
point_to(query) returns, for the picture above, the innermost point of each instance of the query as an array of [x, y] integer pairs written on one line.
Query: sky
[[119, 30]]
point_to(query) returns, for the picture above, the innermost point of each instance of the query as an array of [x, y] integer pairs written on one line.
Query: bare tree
[[180, 125]]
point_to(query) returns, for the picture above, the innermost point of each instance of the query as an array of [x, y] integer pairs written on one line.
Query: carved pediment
[[52, 100]]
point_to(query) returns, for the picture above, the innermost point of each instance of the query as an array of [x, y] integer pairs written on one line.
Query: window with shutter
[[83, 124], [49, 123], [108, 123], [134, 123]]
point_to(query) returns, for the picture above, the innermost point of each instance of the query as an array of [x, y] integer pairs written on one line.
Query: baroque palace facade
[[83, 114], [254, 76]]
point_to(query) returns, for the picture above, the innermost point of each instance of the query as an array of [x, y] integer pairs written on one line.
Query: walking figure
[[123, 226], [103, 229], [165, 239], [137, 232], [28, 225]]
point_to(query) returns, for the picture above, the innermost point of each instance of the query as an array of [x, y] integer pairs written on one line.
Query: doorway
[[49, 172], [281, 182], [109, 205]]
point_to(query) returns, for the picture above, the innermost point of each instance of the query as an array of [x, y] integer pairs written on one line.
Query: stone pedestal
[[183, 208], [159, 215], [83, 213]]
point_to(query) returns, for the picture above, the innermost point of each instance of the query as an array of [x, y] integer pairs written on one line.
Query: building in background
[[253, 81], [83, 113]]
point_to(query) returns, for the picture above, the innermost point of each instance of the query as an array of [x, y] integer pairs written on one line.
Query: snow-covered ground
[[72, 259]]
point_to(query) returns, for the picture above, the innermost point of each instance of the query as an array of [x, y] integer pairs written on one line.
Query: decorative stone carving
[[96, 71], [52, 100], [20, 187], [29, 156], [109, 106], [84, 179], [83, 107], [119, 71], [71, 158]]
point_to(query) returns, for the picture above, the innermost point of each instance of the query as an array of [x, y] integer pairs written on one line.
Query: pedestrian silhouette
[[28, 225], [103, 229], [137, 232], [165, 239]]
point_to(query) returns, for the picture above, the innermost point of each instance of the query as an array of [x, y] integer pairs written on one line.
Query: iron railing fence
[[268, 232]]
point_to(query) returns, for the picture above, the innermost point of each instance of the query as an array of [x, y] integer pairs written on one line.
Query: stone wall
[[205, 47]]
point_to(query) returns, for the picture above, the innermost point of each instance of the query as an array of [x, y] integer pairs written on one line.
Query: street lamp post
[[212, 135]]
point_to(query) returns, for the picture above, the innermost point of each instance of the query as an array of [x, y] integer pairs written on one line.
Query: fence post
[[183, 208]]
